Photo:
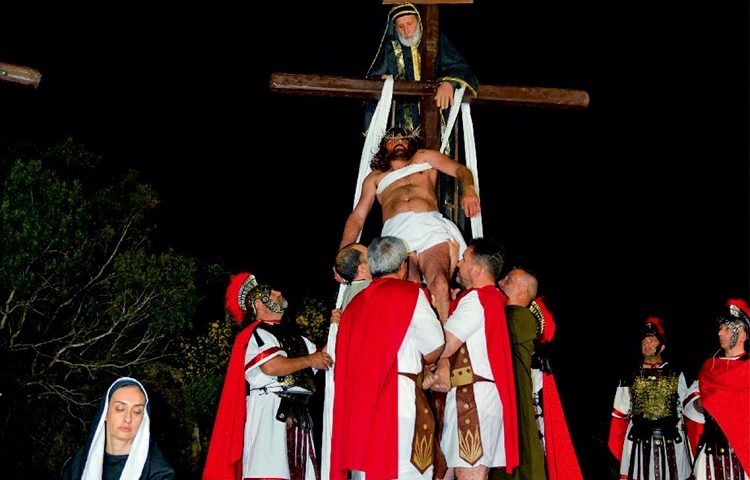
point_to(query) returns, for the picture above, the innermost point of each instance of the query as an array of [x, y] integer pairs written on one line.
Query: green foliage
[[84, 298], [313, 320], [43, 222], [205, 360]]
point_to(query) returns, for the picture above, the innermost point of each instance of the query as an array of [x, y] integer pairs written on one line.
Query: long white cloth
[[470, 150], [325, 446], [470, 153], [375, 133]]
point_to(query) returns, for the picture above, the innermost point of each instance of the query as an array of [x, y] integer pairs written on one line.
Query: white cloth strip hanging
[[470, 152], [458, 96], [375, 133], [325, 447]]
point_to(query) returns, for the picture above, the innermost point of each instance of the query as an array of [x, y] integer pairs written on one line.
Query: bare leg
[[414, 274], [435, 263], [472, 473]]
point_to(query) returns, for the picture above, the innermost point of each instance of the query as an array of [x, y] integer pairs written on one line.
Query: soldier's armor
[[294, 346], [653, 400]]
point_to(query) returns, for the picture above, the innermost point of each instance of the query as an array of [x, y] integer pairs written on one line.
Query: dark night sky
[[637, 205]]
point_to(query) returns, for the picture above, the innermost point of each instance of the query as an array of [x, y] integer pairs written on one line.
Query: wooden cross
[[20, 74], [333, 86]]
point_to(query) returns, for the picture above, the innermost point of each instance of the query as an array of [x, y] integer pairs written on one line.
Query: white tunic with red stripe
[[265, 449], [622, 410]]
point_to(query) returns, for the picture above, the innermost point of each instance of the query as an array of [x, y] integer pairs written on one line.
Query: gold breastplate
[[654, 394]]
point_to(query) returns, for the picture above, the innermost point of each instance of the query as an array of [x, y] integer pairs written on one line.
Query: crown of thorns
[[401, 132]]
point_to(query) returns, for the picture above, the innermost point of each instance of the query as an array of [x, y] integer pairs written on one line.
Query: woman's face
[[125, 412]]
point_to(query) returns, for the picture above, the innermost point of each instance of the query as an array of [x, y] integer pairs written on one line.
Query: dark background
[[635, 206]]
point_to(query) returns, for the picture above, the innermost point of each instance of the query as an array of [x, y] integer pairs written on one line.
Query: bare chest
[[417, 180]]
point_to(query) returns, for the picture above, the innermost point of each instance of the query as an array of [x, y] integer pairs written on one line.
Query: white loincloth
[[391, 177], [422, 230]]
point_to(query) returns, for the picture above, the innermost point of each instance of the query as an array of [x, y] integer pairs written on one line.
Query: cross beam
[[20, 74], [427, 2], [333, 86]]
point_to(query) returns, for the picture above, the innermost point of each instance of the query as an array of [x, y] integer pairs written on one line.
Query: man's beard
[[398, 154], [414, 40], [461, 281]]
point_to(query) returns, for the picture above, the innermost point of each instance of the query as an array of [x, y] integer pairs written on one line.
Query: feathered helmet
[[262, 292], [545, 322], [736, 317], [654, 327], [739, 312], [236, 294]]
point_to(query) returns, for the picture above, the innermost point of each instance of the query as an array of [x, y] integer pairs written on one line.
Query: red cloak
[[725, 394], [365, 409], [224, 459], [501, 364], [562, 463]]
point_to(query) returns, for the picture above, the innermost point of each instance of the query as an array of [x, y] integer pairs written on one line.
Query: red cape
[[725, 394], [562, 463], [224, 459], [365, 406], [616, 441], [501, 364]]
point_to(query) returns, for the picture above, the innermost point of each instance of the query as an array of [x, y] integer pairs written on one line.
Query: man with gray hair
[[382, 423], [398, 55]]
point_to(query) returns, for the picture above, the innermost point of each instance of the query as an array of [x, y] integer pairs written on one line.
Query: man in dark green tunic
[[521, 288]]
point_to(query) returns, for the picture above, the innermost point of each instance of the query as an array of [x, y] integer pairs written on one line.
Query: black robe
[[450, 66], [156, 468]]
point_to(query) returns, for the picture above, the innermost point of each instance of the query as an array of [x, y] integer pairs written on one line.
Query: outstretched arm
[[280, 365], [356, 219], [445, 164]]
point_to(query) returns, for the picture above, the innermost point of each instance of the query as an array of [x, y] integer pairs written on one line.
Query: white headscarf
[[138, 451]]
